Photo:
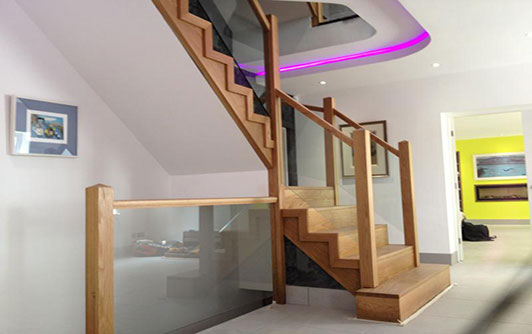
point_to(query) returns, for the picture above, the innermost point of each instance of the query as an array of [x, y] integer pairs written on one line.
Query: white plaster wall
[[42, 208], [413, 110], [238, 184]]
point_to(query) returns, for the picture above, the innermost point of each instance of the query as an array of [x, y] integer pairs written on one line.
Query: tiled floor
[[488, 273]]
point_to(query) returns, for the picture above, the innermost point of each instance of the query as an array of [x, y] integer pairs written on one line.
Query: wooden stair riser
[[372, 304], [330, 218], [196, 36], [319, 253], [308, 197], [395, 263]]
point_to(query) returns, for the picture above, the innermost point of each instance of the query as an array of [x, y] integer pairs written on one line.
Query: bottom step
[[401, 296]]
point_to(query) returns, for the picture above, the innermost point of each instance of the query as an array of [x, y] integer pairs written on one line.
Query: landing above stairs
[[401, 296]]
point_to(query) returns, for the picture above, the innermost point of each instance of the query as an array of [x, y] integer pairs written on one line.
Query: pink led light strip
[[359, 55]]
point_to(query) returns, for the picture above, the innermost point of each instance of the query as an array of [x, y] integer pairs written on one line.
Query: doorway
[[486, 172]]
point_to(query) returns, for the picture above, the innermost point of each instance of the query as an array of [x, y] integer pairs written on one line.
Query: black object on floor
[[472, 232]]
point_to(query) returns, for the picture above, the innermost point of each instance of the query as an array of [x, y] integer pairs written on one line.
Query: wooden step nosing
[[337, 208], [405, 292], [308, 188]]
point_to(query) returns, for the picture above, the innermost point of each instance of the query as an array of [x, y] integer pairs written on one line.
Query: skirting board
[[500, 221], [438, 258]]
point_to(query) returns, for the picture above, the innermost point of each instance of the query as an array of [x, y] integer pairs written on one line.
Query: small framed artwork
[[43, 128], [379, 156], [499, 166]]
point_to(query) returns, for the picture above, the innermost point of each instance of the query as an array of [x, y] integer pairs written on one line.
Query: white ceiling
[[466, 35], [488, 125], [393, 23], [131, 58]]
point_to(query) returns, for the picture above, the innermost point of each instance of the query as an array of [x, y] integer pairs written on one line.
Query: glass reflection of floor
[[142, 305]]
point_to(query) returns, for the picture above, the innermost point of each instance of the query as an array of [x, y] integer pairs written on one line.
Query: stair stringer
[[319, 252], [195, 34]]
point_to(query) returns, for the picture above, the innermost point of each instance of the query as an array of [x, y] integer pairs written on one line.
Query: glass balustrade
[[188, 268], [238, 34]]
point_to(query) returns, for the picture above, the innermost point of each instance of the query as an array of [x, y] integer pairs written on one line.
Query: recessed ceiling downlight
[[436, 65], [323, 82]]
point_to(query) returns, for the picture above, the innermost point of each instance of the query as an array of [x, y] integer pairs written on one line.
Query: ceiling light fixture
[[529, 34], [436, 65], [323, 82]]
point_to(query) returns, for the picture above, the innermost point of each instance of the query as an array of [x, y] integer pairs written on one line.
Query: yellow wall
[[489, 210]]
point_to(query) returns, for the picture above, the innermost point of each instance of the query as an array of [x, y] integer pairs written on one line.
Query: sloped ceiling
[[128, 54]]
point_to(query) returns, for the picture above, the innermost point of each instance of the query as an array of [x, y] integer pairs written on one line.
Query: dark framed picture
[[43, 128], [379, 156]]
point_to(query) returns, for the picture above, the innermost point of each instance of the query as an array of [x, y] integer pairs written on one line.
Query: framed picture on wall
[[499, 166], [379, 156], [43, 128]]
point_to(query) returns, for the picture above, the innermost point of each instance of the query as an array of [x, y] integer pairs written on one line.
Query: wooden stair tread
[[308, 188], [385, 251], [324, 208], [335, 208], [405, 282]]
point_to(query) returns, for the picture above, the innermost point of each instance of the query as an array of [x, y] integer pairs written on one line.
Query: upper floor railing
[[324, 13], [197, 249]]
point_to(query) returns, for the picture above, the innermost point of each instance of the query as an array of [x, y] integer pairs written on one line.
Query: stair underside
[[401, 296], [196, 36]]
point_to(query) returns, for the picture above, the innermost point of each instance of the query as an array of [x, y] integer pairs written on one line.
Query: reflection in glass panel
[[336, 12], [175, 267]]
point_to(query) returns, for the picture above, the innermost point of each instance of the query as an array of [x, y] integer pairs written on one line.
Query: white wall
[[42, 199], [526, 118], [413, 110], [238, 184]]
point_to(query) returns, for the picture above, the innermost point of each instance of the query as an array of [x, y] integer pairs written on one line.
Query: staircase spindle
[[330, 150], [369, 277], [408, 198]]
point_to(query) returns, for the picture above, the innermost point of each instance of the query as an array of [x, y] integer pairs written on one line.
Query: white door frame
[[450, 171]]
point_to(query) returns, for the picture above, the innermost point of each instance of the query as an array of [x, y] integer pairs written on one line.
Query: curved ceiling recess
[[398, 34]]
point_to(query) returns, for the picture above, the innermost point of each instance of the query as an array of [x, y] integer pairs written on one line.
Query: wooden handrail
[[314, 108], [169, 203], [261, 16], [373, 136], [305, 111], [354, 124]]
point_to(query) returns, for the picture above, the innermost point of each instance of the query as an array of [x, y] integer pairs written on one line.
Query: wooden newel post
[[408, 198], [367, 245], [275, 174], [99, 258], [330, 151]]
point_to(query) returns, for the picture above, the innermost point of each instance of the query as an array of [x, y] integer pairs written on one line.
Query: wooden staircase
[[328, 234], [387, 280], [196, 35]]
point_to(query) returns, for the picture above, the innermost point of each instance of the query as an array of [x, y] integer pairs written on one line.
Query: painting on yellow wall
[[499, 166]]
